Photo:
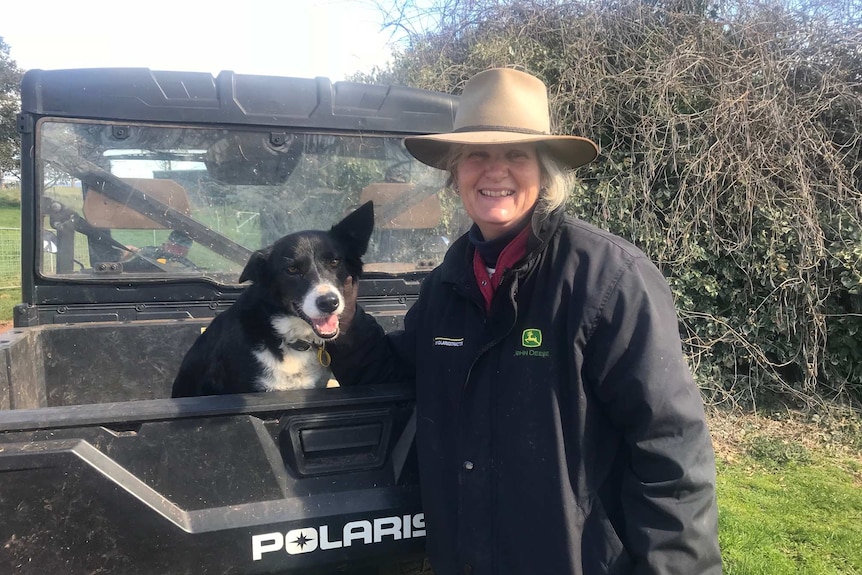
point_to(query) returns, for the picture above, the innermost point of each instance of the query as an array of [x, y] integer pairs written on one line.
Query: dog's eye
[[334, 262], [292, 269]]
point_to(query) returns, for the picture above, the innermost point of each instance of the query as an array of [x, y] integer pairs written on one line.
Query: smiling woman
[[548, 368]]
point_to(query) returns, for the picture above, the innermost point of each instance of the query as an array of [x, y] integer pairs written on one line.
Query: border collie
[[273, 336]]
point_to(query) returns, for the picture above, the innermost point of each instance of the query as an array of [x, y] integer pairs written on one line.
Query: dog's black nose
[[327, 303]]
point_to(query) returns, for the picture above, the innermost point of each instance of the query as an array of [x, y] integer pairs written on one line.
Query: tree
[[10, 98], [731, 153]]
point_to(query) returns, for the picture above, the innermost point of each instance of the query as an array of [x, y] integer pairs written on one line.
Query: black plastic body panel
[[59, 303], [184, 486]]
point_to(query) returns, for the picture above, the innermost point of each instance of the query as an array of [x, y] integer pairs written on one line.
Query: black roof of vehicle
[[231, 98]]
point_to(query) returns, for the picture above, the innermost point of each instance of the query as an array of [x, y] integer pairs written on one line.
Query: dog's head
[[303, 273]]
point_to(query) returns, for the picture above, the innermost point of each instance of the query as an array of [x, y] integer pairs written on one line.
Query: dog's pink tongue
[[326, 325]]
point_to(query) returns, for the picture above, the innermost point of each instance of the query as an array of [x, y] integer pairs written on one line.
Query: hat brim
[[571, 151]]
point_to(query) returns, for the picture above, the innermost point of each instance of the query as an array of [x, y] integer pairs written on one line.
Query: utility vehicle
[[143, 194]]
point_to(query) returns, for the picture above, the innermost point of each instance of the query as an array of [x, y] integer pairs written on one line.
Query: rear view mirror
[[255, 159]]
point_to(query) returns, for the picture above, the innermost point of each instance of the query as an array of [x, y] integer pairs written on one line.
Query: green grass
[[783, 510], [9, 298], [10, 216]]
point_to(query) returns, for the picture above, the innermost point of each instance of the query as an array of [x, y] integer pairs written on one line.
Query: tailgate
[[286, 481]]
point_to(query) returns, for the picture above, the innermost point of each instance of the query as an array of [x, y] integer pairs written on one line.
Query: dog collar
[[323, 356]]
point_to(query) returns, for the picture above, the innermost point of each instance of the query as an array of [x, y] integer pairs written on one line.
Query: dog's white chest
[[298, 370]]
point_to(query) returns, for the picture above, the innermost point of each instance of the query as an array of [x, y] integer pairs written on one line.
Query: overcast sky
[[331, 38]]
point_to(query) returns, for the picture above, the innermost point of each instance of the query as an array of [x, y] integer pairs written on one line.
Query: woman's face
[[498, 184]]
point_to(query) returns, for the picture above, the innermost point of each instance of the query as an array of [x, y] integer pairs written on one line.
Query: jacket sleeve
[[367, 355], [647, 391]]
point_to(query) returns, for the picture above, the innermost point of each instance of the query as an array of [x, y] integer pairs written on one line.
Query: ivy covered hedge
[[731, 140]]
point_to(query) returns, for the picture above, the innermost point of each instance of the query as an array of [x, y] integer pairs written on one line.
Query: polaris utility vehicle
[[143, 194]]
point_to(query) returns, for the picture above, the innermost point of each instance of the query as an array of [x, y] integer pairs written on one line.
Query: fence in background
[[10, 258]]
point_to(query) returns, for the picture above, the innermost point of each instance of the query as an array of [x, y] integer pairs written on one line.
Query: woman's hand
[[348, 290]]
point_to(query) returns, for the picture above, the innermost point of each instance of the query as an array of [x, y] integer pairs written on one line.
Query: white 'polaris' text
[[363, 532]]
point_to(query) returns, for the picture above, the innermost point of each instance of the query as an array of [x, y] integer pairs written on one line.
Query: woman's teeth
[[496, 193]]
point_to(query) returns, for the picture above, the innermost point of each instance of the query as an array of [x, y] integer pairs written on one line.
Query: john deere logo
[[531, 338]]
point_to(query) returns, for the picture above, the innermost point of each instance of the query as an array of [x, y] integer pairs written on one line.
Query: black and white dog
[[273, 336]]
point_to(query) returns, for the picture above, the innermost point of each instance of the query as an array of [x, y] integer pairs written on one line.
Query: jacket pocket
[[602, 549]]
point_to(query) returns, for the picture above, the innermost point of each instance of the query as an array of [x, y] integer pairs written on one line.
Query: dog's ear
[[255, 266], [356, 228]]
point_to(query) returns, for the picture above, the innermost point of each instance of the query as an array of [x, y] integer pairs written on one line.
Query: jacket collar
[[457, 266]]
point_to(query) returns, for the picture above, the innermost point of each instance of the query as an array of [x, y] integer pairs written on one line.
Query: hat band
[[484, 128]]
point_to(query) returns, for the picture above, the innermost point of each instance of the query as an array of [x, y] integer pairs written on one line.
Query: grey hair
[[557, 179]]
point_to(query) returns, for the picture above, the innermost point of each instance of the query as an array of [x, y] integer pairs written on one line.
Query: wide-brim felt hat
[[502, 106]]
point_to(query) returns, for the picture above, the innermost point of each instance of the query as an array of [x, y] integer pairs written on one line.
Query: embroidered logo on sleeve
[[449, 341]]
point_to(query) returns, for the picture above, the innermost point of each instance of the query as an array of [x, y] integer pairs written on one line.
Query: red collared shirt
[[513, 252]]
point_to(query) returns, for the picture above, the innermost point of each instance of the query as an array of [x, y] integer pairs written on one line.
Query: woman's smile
[[496, 193]]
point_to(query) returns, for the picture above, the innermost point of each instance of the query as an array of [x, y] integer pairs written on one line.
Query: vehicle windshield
[[156, 201]]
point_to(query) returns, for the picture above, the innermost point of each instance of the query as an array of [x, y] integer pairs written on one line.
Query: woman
[[558, 428]]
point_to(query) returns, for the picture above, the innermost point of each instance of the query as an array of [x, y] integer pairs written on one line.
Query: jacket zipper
[[497, 340], [492, 415]]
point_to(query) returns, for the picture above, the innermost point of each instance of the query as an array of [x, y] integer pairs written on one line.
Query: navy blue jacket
[[561, 433]]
